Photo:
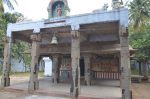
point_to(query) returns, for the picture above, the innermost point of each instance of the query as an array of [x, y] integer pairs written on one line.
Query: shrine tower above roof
[[58, 8]]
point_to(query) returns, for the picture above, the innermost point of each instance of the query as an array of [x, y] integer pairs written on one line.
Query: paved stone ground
[[106, 89], [140, 90], [15, 95]]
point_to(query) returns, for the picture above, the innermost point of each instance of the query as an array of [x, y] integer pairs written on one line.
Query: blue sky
[[37, 9]]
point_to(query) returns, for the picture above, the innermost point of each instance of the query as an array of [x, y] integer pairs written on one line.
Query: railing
[[105, 75], [66, 75]]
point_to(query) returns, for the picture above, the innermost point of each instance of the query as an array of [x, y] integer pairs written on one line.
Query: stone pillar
[[125, 64], [87, 63], [5, 80], [55, 69], [34, 83], [75, 56]]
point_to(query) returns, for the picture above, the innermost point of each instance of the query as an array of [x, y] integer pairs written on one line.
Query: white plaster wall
[[17, 66], [48, 66]]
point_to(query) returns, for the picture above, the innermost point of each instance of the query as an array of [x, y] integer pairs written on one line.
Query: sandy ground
[[141, 90]]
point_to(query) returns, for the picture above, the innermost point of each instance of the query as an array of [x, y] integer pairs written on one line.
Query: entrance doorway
[[82, 67]]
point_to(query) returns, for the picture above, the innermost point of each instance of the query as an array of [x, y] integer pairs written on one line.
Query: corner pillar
[[125, 64], [5, 80], [55, 69], [34, 83], [87, 62], [75, 56]]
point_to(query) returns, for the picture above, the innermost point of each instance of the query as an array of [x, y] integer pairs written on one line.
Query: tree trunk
[[145, 70]]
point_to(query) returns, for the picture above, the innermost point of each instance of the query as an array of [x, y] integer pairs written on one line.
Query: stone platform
[[105, 89]]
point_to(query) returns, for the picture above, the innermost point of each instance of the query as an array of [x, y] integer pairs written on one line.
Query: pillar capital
[[75, 34], [35, 37], [75, 27], [123, 31], [75, 30]]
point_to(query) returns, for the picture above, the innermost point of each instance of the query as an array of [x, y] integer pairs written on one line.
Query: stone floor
[[14, 95], [105, 89]]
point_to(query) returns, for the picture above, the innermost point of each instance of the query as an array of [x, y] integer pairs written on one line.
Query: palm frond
[[9, 3]]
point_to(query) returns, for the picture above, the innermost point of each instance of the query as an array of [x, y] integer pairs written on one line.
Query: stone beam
[[91, 48], [108, 16]]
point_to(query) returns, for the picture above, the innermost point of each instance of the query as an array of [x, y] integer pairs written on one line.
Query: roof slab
[[100, 27]]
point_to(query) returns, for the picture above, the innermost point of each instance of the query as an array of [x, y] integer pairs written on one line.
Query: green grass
[[23, 74], [135, 72]]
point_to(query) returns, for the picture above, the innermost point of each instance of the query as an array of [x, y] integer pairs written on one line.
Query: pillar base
[[87, 83], [55, 81], [5, 81], [127, 94], [74, 94], [33, 85]]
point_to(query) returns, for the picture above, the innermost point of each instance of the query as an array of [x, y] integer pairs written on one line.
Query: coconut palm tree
[[8, 3], [139, 12]]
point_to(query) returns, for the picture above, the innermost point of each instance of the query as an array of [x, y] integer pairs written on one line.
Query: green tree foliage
[[139, 28], [8, 3], [141, 40], [18, 48], [4, 20], [19, 51], [139, 13]]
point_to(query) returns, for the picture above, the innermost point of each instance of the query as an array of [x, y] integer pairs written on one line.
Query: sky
[[37, 9]]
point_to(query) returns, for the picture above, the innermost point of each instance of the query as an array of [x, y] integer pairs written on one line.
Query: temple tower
[[58, 8]]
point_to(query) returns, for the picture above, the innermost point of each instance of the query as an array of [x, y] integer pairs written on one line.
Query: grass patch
[[25, 74], [135, 72]]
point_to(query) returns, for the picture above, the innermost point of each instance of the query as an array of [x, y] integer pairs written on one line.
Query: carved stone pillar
[[5, 80], [87, 62], [55, 69], [125, 64], [75, 56], [34, 83]]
